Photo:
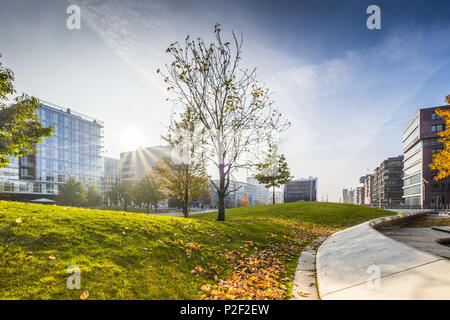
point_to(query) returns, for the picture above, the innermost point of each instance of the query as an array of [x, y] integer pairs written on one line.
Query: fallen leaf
[[85, 295]]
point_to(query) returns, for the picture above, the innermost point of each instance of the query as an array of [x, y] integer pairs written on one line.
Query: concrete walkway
[[305, 285], [362, 263], [425, 239]]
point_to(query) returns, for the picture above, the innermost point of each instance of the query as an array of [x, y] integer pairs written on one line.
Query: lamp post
[[423, 191]]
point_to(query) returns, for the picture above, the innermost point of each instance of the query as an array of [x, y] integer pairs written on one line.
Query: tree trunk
[[221, 194], [273, 195], [185, 211], [148, 207], [186, 202]]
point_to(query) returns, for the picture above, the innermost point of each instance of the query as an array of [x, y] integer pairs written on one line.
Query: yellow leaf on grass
[[85, 295]]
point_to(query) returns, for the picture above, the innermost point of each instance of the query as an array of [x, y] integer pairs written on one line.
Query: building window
[[436, 150], [437, 200], [412, 180], [434, 116], [412, 190], [439, 187], [412, 201], [437, 128]]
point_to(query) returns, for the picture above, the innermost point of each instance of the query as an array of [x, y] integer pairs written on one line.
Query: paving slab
[[304, 286], [422, 283], [351, 258]]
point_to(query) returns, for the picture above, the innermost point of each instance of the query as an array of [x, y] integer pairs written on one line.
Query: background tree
[[94, 199], [441, 161], [185, 181], [126, 190], [148, 190], [184, 173], [236, 112], [71, 193], [20, 128], [244, 201], [274, 172], [113, 195], [174, 202], [205, 198]]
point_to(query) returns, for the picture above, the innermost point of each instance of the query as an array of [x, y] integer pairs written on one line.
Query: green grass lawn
[[137, 210], [125, 255]]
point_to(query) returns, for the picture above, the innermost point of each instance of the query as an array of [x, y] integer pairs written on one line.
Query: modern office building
[[262, 194], [74, 150], [420, 142], [368, 184], [111, 173], [134, 164], [351, 194], [358, 196], [301, 190], [345, 196], [256, 193], [387, 183]]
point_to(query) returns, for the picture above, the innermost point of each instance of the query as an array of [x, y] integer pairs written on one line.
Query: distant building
[[112, 173], [368, 185], [387, 182], [301, 190], [262, 194], [256, 193], [351, 194], [420, 142], [346, 196], [134, 164], [358, 196], [75, 150]]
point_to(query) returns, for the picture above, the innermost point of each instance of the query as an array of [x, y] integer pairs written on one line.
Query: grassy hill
[[126, 255]]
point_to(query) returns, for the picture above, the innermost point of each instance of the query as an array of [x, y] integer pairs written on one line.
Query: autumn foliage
[[441, 161], [262, 275], [244, 201]]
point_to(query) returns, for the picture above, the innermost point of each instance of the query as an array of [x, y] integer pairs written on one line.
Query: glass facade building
[[420, 142], [301, 190], [74, 150], [256, 193], [112, 173]]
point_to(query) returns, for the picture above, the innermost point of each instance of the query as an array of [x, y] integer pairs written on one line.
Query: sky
[[348, 91]]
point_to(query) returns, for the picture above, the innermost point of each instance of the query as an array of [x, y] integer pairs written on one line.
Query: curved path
[[362, 263]]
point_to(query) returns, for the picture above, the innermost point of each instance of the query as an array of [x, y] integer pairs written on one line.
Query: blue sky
[[348, 91]]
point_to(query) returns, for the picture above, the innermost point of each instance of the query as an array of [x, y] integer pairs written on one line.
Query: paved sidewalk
[[305, 285], [362, 263], [425, 239]]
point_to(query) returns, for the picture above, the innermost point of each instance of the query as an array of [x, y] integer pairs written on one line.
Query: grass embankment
[[125, 255], [136, 210]]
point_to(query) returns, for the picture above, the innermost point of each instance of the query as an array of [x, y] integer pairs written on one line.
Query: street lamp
[[423, 191]]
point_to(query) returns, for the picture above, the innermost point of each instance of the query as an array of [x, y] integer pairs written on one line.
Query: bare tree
[[235, 110]]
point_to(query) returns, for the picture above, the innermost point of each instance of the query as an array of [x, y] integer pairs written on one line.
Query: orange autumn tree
[[244, 201], [441, 161]]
